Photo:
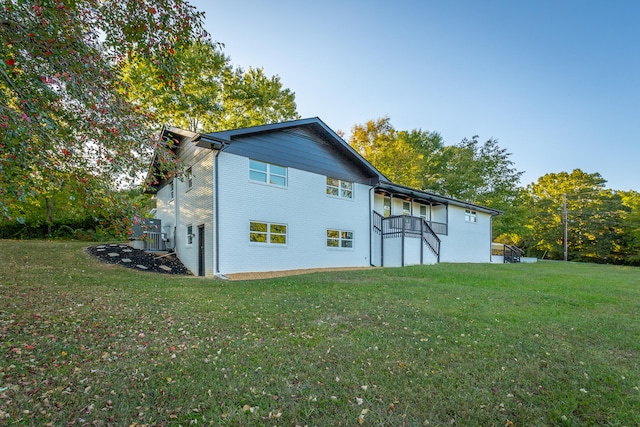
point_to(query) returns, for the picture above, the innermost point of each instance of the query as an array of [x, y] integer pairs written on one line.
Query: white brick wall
[[303, 206], [306, 210], [466, 241], [194, 206]]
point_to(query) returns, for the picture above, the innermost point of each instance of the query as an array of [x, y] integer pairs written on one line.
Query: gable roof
[[300, 129], [177, 137]]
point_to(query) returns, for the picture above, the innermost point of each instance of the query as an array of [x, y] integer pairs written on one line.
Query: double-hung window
[[267, 173], [268, 233], [423, 212], [339, 239], [190, 234], [387, 206], [470, 216], [339, 188], [189, 178], [406, 208]]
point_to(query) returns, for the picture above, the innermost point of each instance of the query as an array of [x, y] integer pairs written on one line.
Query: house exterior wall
[[190, 206], [303, 206], [466, 241]]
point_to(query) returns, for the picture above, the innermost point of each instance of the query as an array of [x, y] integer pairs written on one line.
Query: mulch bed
[[138, 259]]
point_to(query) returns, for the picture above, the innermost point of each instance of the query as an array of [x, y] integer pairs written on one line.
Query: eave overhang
[[419, 195]]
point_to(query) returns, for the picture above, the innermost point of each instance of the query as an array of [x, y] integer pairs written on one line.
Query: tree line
[[86, 84]]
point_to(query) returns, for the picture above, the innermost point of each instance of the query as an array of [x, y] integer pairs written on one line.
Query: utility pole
[[564, 209]]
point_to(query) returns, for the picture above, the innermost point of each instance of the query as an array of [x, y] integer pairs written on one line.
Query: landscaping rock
[[138, 259]]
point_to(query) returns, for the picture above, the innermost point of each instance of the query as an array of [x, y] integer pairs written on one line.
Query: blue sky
[[557, 82]]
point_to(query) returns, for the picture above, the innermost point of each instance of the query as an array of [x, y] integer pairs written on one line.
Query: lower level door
[[201, 250]]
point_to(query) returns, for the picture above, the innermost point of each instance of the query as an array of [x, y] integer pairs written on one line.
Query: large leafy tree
[[252, 98], [630, 216], [211, 94], [484, 173], [478, 172], [62, 108], [188, 103], [411, 158], [593, 216]]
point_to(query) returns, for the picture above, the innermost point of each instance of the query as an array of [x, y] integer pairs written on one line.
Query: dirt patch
[[284, 273]]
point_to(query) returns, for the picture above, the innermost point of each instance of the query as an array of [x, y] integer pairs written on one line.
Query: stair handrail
[[428, 235]]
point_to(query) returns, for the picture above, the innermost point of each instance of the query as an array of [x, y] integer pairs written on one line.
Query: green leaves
[[59, 87], [477, 172]]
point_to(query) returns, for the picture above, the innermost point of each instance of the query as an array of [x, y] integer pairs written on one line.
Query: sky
[[556, 82]]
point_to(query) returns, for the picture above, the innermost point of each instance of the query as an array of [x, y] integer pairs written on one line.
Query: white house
[[295, 195]]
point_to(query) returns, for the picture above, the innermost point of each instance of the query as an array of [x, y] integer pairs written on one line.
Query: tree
[[484, 173], [193, 102], [211, 95], [62, 106], [629, 250], [593, 215], [407, 158], [471, 171], [251, 98]]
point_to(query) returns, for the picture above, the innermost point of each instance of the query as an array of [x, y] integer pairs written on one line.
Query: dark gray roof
[[314, 124], [432, 197]]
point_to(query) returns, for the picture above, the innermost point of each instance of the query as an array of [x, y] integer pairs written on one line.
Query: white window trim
[[268, 234], [340, 239], [386, 208], [189, 178], [269, 174], [426, 212], [172, 190], [190, 235], [407, 212], [471, 216], [340, 189]]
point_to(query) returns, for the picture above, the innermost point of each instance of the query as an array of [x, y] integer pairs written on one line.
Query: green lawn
[[85, 343]]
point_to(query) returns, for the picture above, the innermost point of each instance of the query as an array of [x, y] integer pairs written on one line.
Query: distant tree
[[594, 216], [61, 102], [482, 173], [629, 252], [407, 158]]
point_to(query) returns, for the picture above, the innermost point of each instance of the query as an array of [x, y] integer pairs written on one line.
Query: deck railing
[[405, 225]]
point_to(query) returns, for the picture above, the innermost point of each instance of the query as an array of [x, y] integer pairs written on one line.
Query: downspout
[[402, 251], [370, 228]]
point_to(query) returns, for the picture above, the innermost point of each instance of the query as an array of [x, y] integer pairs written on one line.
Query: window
[[190, 234], [264, 232], [267, 173], [339, 239], [189, 176], [470, 216], [387, 207], [406, 208], [423, 212], [339, 188], [171, 190]]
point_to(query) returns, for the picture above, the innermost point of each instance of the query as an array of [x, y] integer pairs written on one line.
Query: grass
[[541, 344]]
